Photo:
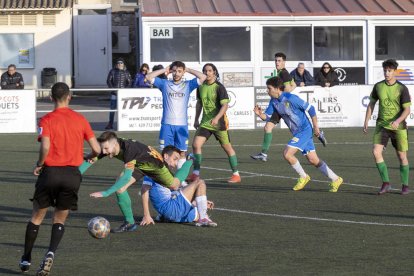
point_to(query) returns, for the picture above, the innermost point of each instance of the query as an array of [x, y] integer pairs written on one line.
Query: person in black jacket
[[118, 77], [301, 76], [12, 79], [326, 77]]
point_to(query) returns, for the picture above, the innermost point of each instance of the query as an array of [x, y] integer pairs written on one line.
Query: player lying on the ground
[[291, 109], [139, 160], [176, 206]]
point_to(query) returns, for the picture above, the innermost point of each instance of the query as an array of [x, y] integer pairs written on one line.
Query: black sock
[[57, 233], [29, 240]]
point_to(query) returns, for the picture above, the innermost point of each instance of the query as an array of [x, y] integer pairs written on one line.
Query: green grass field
[[265, 228]]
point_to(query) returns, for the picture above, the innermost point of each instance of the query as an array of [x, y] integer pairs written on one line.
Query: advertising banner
[[141, 109], [17, 111]]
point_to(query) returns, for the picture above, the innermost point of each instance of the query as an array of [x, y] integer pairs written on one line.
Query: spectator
[[301, 76], [118, 77], [140, 80], [12, 79], [326, 77]]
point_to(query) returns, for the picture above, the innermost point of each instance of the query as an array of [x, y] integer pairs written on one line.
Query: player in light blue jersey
[[185, 205], [292, 110], [175, 97]]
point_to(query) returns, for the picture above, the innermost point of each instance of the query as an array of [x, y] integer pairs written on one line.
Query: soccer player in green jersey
[[394, 107], [213, 99], [139, 160], [290, 85]]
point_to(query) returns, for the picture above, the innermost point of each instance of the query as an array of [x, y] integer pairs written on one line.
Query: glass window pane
[[225, 44], [388, 42], [182, 44], [294, 42], [338, 43]]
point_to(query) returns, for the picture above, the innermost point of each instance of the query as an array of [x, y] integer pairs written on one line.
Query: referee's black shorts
[[58, 187]]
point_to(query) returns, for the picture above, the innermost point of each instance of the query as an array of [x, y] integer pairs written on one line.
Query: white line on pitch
[[289, 177], [314, 219]]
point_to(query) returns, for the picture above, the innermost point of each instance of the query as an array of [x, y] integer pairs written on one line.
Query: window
[[338, 43], [294, 42], [388, 42], [176, 43], [225, 44], [17, 49]]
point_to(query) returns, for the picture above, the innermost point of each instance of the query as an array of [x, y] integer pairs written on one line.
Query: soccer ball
[[99, 227]]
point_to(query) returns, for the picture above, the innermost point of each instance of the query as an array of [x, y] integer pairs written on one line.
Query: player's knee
[[377, 152]]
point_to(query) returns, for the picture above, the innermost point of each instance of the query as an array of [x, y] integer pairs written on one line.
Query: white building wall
[[53, 48]]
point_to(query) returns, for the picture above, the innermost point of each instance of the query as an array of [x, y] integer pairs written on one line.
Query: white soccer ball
[[99, 227]]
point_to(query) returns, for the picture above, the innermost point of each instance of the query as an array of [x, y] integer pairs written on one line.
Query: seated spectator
[[140, 80], [326, 77], [301, 76], [12, 79]]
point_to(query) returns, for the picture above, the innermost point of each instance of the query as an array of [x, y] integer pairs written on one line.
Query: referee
[[61, 136]]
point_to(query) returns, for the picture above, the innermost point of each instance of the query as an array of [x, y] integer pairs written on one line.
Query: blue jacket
[[306, 78]]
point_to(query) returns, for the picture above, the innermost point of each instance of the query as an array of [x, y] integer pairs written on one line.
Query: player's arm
[[370, 108], [181, 175], [222, 111], [405, 101], [43, 152], [199, 107], [123, 180], [200, 76], [146, 219], [151, 76]]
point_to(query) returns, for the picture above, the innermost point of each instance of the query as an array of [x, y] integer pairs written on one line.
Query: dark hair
[[144, 65], [60, 91], [323, 65], [106, 136], [158, 67], [214, 69], [390, 63], [170, 149], [282, 55], [177, 64], [11, 65], [276, 82]]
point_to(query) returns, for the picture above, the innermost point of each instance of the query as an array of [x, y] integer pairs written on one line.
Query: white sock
[[327, 171], [180, 163], [202, 206], [236, 173], [298, 168], [196, 172]]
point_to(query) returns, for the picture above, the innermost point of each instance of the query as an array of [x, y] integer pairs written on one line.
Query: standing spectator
[[140, 80], [12, 79], [394, 107], [326, 77], [61, 134], [290, 85], [118, 77], [301, 76]]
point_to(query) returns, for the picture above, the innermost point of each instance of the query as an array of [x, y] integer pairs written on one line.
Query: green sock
[[267, 139], [404, 171], [197, 161], [233, 163], [124, 202], [383, 170], [182, 173]]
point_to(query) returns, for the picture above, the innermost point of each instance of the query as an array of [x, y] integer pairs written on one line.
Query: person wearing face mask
[[118, 77]]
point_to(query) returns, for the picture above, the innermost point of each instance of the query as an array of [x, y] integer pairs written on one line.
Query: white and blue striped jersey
[[175, 97], [158, 194], [291, 109]]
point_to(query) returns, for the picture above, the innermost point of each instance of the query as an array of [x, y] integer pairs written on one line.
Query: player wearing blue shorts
[[175, 97], [292, 110]]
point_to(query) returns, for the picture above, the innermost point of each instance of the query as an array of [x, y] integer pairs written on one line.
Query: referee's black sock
[[58, 230], [29, 240]]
